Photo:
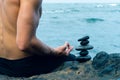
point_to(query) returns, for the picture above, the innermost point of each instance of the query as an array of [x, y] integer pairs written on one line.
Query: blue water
[[68, 22]]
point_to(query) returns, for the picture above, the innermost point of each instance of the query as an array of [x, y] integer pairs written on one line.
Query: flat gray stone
[[87, 47]]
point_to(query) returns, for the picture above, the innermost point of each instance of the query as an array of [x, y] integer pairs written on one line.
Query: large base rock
[[103, 67]]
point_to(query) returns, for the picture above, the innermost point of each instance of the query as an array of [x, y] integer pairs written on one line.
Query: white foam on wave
[[54, 11], [99, 6], [113, 4]]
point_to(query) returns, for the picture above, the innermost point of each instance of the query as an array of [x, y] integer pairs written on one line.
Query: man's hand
[[64, 49]]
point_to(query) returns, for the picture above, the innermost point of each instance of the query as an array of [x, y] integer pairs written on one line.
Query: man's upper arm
[[28, 19]]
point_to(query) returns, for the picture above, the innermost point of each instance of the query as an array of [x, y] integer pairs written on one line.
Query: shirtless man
[[18, 23]]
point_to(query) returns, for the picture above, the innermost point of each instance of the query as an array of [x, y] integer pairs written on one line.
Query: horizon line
[[83, 2]]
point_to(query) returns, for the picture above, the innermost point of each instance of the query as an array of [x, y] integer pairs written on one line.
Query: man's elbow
[[23, 46]]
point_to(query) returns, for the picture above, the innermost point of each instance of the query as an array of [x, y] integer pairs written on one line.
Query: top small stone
[[83, 38]]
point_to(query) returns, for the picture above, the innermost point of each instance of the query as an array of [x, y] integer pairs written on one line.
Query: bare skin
[[18, 23]]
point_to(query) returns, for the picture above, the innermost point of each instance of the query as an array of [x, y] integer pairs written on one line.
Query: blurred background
[[72, 19]]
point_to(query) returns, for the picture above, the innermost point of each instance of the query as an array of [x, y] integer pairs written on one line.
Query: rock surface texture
[[104, 66]]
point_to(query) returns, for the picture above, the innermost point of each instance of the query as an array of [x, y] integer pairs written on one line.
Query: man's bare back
[[18, 22], [8, 20]]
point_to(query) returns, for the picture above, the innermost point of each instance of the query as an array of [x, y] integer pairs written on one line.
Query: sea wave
[[80, 8], [93, 20], [115, 10], [61, 11], [54, 11], [99, 6], [113, 4], [107, 5]]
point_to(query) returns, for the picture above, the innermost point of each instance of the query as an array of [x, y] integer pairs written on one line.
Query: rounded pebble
[[84, 53], [83, 43], [83, 59]]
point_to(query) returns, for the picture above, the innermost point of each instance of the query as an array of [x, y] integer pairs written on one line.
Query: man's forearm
[[39, 48]]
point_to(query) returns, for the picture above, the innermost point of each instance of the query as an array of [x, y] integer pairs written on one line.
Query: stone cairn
[[83, 48]]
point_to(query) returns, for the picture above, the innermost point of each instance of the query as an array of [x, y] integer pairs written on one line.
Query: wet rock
[[115, 58], [39, 79], [100, 60], [107, 64], [107, 70], [74, 68], [83, 58], [83, 38], [83, 43], [87, 47], [104, 66], [84, 53]]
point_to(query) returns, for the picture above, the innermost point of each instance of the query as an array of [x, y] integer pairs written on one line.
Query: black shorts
[[33, 65]]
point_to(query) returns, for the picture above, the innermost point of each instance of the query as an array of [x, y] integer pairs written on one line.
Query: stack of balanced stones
[[83, 48]]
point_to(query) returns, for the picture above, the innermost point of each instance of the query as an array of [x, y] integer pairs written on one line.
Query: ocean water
[[62, 22]]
